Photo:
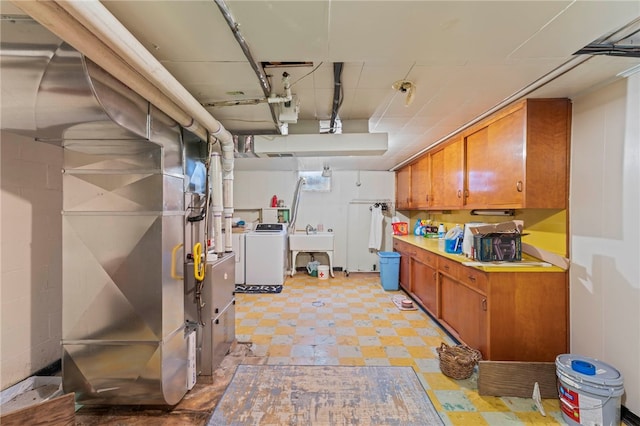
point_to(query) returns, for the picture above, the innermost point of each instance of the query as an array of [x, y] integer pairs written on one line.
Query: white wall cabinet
[[276, 215]]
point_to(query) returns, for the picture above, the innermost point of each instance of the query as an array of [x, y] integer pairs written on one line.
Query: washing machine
[[266, 254]]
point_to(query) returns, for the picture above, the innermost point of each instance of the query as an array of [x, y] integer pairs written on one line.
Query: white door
[[359, 257]]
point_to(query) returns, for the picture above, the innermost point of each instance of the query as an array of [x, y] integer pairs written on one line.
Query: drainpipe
[[227, 182], [216, 188]]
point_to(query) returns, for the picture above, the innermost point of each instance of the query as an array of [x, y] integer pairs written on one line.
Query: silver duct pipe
[[123, 334], [93, 30]]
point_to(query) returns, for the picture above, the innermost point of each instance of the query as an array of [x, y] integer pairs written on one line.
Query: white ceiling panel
[[578, 25], [284, 30], [178, 30], [434, 30]]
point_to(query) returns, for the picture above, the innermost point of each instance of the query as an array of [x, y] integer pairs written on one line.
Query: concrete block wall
[[31, 257]]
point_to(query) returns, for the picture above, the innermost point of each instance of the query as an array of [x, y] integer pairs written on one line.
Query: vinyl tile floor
[[353, 321]]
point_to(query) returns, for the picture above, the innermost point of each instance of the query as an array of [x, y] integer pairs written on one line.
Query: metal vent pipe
[[91, 29]]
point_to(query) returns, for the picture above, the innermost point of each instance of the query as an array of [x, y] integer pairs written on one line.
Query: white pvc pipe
[[216, 207]]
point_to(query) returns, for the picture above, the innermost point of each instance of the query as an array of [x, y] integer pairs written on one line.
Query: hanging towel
[[375, 232]]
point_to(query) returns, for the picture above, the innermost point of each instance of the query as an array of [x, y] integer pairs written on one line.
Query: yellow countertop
[[431, 244]]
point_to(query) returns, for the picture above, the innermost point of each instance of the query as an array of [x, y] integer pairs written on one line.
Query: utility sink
[[319, 241]]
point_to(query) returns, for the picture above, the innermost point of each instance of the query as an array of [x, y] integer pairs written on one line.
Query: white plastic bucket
[[323, 272], [590, 391]]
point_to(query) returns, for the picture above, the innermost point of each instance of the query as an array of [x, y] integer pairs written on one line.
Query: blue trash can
[[389, 269]]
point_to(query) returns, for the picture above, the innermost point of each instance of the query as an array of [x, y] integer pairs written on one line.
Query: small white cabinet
[[275, 215]]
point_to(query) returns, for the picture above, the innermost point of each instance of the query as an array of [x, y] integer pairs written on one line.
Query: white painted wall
[[31, 235], [605, 230], [254, 189]]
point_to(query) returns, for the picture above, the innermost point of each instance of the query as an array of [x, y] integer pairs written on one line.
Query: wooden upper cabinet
[[519, 160], [479, 168], [403, 188], [420, 183], [516, 158], [447, 176]]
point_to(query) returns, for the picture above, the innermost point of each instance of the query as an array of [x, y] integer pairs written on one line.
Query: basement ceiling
[[464, 57]]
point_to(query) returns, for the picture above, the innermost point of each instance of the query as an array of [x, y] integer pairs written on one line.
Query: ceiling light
[[407, 87]]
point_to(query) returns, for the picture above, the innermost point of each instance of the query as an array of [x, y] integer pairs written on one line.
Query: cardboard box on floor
[[517, 378], [56, 411]]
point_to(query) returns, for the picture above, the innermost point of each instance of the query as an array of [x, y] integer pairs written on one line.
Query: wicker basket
[[457, 362]]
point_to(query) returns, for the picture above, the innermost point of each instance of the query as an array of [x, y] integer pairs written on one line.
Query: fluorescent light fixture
[[482, 212], [320, 145]]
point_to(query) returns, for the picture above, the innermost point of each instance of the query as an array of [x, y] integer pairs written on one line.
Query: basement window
[[315, 182]]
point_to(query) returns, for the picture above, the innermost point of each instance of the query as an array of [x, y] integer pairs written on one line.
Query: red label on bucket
[[570, 403]]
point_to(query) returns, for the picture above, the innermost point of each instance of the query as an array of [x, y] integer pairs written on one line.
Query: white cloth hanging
[[375, 232]]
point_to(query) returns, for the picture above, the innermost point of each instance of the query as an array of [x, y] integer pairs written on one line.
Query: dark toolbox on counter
[[498, 242], [498, 246]]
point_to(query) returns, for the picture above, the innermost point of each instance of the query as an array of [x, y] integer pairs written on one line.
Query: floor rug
[[397, 300], [255, 288], [324, 395]]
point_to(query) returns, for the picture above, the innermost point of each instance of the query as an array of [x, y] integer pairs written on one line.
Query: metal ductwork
[[123, 333], [624, 42]]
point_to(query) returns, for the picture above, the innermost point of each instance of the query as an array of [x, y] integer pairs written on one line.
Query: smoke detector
[[407, 87]]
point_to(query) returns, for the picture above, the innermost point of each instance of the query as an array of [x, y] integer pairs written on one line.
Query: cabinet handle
[[459, 193], [435, 276], [519, 186], [471, 278], [484, 304], [445, 267]]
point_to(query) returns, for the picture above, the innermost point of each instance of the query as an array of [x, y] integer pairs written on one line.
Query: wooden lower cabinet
[[425, 285], [406, 253], [464, 313], [508, 316]]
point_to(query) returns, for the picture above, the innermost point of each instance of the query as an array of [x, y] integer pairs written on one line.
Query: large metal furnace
[[132, 179]]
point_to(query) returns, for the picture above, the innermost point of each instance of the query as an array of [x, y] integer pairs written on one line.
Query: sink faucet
[[310, 229]]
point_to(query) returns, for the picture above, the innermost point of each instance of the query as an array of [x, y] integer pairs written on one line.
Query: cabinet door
[[447, 176], [405, 271], [425, 285], [420, 186], [479, 168], [495, 162], [405, 251], [403, 188], [473, 318], [449, 308], [465, 312], [506, 154]]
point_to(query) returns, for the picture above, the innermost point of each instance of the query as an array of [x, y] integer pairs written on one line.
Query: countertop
[[431, 244]]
